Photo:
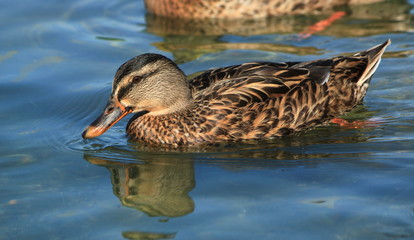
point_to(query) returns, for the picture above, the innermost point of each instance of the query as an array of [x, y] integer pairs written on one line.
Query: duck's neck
[[177, 107], [172, 129]]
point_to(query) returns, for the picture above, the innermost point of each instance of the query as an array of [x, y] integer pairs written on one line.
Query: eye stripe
[[123, 91]]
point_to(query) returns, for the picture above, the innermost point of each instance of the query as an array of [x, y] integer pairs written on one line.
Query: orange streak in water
[[321, 25]]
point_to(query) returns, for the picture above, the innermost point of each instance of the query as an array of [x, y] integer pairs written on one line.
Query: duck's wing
[[239, 92], [358, 68], [258, 84], [252, 106], [213, 76]]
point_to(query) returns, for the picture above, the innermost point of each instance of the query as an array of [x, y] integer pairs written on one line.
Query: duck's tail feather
[[374, 55]]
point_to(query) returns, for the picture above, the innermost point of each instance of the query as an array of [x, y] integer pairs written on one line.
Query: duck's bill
[[112, 114]]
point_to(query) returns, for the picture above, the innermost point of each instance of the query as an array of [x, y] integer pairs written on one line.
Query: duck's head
[[148, 83]]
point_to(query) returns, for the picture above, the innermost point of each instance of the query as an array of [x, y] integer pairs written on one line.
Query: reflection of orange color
[[356, 124], [321, 25]]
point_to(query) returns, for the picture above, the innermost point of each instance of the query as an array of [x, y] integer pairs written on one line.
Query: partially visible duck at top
[[255, 100], [202, 9]]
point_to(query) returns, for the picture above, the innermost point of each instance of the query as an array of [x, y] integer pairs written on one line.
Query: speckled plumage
[[249, 101]]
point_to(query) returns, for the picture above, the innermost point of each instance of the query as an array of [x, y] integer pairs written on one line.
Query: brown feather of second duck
[[249, 101], [202, 9]]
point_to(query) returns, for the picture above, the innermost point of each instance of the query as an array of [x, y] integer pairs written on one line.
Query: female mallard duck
[[249, 101]]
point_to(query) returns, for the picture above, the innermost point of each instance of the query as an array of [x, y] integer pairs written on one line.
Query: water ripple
[[70, 116]]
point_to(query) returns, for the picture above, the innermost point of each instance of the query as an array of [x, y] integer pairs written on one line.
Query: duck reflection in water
[[158, 187]]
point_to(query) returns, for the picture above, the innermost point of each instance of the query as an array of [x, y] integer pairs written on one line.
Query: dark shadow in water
[[188, 39]]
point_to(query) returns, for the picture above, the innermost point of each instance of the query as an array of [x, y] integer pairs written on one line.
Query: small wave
[[69, 117]]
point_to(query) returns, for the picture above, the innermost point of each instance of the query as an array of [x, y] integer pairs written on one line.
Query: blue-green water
[[57, 60]]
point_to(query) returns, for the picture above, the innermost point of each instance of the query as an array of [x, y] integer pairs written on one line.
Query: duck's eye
[[109, 110], [136, 79]]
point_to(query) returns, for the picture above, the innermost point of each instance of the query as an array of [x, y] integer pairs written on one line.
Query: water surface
[[57, 62]]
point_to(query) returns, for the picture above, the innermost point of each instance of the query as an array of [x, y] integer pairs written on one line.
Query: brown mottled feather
[[258, 100]]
